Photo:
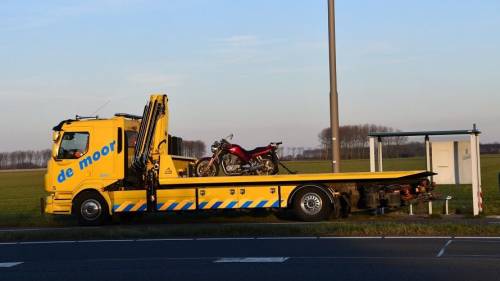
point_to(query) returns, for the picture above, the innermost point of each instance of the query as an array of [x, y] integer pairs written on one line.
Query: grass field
[[21, 191]]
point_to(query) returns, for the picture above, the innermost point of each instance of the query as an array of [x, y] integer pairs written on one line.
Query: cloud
[[157, 80], [42, 15], [401, 60], [241, 40], [244, 49], [376, 48]]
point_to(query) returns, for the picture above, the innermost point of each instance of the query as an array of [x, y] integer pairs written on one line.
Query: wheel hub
[[91, 209], [311, 203]]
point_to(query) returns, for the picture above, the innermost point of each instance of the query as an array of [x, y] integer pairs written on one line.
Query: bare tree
[[354, 141]]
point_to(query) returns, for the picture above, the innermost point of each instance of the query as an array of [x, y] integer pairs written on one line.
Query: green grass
[[253, 230], [21, 193], [20, 198]]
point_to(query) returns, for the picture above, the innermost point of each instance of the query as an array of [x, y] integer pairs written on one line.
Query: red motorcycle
[[236, 161]]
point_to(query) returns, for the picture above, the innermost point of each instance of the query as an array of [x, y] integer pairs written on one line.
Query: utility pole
[[334, 100]]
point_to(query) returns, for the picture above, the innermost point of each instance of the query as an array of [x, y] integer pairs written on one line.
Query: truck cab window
[[73, 145]]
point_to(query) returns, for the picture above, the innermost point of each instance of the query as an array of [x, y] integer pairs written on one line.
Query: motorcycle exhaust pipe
[[254, 168]]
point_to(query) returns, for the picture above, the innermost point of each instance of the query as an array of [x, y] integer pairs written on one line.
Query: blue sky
[[258, 69]]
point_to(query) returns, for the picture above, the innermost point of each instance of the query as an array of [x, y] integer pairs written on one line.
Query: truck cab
[[93, 155]]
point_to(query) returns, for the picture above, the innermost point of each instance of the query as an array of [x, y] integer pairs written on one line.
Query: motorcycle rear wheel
[[202, 168], [270, 166]]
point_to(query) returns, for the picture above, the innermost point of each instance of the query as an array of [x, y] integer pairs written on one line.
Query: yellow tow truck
[[128, 164]]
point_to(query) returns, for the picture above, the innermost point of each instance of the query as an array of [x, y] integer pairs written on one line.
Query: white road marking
[[441, 252], [476, 237], [164, 239], [45, 242], [224, 238], [351, 237], [38, 229], [474, 256], [105, 241], [461, 238], [418, 237], [9, 264], [286, 238], [252, 260]]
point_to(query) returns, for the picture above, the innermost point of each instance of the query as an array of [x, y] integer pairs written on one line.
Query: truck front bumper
[[51, 205]]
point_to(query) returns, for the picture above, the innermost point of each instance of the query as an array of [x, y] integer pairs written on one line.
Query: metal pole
[[334, 108]]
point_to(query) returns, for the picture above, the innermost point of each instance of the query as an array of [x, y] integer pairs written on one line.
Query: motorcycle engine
[[231, 163]]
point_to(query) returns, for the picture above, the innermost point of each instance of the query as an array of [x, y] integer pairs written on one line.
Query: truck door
[[73, 147]]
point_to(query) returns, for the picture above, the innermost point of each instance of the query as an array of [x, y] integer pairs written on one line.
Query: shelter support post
[[479, 174], [476, 175], [372, 155], [428, 156], [380, 156]]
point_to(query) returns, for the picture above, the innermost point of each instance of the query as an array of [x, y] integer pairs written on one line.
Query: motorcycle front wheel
[[204, 169]]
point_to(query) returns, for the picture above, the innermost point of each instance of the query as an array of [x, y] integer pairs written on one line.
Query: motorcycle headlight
[[214, 149]]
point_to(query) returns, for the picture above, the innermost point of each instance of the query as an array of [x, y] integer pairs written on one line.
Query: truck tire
[[336, 209], [90, 209], [312, 204]]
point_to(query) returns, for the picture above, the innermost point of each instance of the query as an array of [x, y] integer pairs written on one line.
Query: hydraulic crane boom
[[153, 111]]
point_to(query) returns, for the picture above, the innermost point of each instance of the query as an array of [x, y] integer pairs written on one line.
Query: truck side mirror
[[55, 151], [55, 136], [55, 148]]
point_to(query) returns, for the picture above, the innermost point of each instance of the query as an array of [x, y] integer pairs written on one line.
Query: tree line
[[194, 149], [354, 142], [27, 159]]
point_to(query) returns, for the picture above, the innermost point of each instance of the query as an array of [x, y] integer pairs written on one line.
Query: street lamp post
[[334, 107]]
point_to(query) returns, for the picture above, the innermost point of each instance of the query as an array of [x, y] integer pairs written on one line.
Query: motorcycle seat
[[257, 149]]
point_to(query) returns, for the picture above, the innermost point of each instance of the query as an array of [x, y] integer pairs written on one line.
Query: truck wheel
[[312, 204], [337, 208], [90, 209]]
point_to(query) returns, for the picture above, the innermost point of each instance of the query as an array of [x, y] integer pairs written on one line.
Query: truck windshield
[[73, 145]]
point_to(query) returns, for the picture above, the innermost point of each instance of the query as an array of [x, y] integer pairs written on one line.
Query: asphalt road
[[308, 258]]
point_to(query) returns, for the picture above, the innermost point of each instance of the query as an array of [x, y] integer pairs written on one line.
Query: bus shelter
[[376, 155]]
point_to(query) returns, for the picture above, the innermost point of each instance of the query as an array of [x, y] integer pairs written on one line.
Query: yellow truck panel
[[259, 197], [176, 199], [128, 201], [217, 198]]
